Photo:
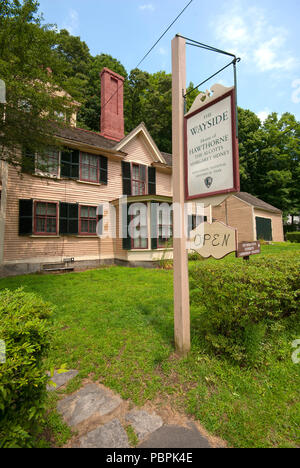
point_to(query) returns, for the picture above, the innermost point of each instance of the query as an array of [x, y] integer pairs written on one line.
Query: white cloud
[[268, 56], [148, 6], [247, 33], [296, 93], [262, 115], [72, 21]]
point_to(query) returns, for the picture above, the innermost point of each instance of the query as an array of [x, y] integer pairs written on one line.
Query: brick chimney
[[112, 106]]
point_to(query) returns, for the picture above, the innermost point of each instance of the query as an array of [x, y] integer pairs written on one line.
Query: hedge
[[25, 329], [234, 304], [293, 236]]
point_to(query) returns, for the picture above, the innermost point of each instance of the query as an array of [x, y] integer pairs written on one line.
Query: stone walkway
[[101, 419]]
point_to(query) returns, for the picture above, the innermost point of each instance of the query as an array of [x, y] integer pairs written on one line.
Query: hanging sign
[[211, 147], [214, 240]]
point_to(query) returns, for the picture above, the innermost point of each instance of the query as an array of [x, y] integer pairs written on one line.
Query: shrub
[[24, 327], [293, 236], [233, 305]]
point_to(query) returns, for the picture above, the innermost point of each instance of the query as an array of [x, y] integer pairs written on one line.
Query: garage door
[[264, 228]]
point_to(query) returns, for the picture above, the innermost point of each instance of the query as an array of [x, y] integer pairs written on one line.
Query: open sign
[[213, 240]]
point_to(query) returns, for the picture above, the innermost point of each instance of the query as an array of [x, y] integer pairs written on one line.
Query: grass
[[116, 325], [132, 437]]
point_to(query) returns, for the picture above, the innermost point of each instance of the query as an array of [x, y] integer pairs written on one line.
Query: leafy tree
[[157, 110], [75, 59], [249, 138], [269, 159], [191, 95], [33, 98], [136, 91]]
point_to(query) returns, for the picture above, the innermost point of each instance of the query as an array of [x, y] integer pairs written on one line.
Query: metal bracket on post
[[233, 62]]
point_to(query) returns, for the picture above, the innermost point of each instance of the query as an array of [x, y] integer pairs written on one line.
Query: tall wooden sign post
[[181, 278], [205, 167]]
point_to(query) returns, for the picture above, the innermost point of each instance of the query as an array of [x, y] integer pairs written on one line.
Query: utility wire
[[164, 33], [150, 50]]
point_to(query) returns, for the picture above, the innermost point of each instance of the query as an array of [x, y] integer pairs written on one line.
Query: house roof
[[256, 202], [168, 158], [87, 137], [142, 130], [95, 139]]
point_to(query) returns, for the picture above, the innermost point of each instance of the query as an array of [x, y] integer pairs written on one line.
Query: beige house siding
[[239, 215]]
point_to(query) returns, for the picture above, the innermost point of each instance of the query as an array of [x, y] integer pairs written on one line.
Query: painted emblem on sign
[[208, 181]]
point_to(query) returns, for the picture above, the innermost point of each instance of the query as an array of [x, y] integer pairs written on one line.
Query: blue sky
[[264, 33]]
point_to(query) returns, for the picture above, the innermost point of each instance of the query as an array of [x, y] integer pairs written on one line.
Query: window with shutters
[[138, 179], [88, 220], [45, 218], [93, 168]]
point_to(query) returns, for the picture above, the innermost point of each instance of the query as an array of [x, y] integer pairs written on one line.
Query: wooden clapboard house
[[49, 217]]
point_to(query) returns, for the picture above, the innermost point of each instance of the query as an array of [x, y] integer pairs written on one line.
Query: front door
[[263, 228]]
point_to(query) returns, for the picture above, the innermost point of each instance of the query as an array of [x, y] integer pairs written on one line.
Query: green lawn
[[116, 325]]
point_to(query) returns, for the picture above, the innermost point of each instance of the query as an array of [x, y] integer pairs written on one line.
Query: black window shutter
[[70, 164], [25, 217], [28, 161], [68, 218], [66, 161], [126, 240], [126, 178], [75, 164], [154, 230], [103, 170], [151, 180]]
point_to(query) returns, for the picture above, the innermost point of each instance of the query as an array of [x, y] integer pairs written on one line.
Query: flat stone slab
[[110, 435], [176, 437], [143, 422], [91, 400], [61, 379]]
